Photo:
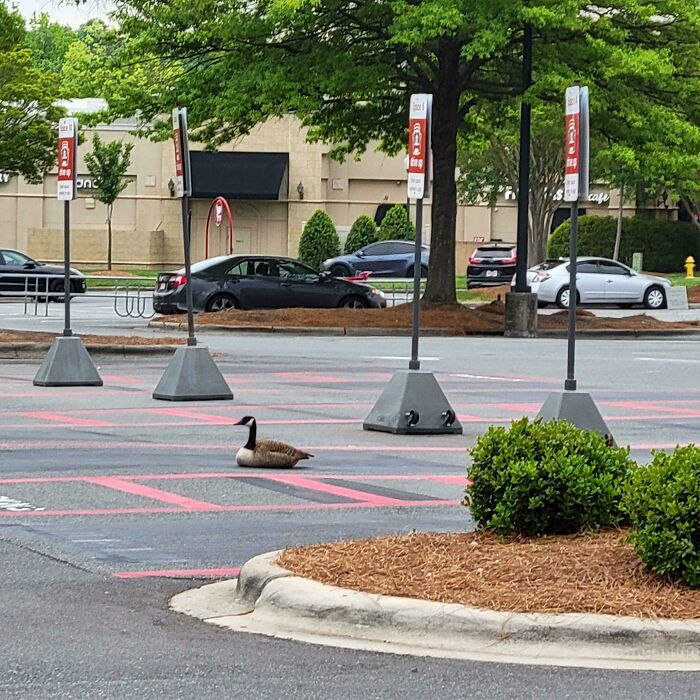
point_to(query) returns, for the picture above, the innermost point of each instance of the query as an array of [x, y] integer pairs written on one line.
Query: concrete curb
[[36, 350], [611, 333], [274, 601]]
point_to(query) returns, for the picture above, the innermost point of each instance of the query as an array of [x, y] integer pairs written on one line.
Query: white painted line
[[666, 360], [394, 357], [485, 376], [94, 540]]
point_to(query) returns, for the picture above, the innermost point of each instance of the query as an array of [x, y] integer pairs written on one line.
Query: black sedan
[[259, 282], [20, 274]]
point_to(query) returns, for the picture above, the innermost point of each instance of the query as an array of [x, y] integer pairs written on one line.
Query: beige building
[[272, 180]]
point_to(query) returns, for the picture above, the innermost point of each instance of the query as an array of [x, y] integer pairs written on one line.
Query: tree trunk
[[109, 236], [618, 233], [541, 216], [440, 287], [689, 209]]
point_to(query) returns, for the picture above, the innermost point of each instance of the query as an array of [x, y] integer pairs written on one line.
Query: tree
[[346, 69], [49, 42], [28, 116], [396, 225], [108, 164], [362, 233], [488, 161], [319, 240]]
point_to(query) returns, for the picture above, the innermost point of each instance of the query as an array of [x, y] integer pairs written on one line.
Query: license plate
[[492, 273]]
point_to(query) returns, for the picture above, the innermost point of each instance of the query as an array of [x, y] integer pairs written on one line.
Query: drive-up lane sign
[[419, 145], [67, 150], [576, 144]]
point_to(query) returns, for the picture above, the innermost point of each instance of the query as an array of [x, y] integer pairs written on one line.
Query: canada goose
[[266, 453]]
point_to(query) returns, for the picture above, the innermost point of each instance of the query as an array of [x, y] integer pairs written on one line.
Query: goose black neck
[[252, 434]]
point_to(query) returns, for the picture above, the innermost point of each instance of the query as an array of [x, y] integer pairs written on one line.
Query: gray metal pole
[[521, 284], [570, 383], [417, 259], [67, 332], [191, 340]]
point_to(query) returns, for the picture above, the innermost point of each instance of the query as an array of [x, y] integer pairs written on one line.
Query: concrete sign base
[[67, 364], [577, 408], [192, 375], [413, 403]]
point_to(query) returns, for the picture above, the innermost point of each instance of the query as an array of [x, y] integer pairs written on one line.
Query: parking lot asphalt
[[111, 501]]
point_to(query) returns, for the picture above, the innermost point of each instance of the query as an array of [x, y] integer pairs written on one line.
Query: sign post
[[413, 402], [576, 407], [192, 374], [68, 362]]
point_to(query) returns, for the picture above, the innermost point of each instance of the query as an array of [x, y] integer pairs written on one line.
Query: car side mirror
[[326, 274], [29, 265], [360, 254]]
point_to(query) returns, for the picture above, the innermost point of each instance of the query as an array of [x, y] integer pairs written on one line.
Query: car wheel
[[655, 298], [55, 288], [340, 271], [221, 302], [563, 298], [423, 271], [353, 303]]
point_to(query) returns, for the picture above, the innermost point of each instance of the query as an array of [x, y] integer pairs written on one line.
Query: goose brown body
[[266, 453]]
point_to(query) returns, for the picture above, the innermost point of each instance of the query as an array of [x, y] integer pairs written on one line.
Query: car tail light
[[178, 280], [541, 277], [474, 259], [511, 260]]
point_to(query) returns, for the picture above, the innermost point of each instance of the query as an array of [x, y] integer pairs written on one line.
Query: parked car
[[259, 282], [20, 274], [491, 265], [598, 281], [382, 259]]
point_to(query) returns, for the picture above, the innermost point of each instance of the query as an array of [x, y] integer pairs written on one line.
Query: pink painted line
[[244, 474], [199, 447], [655, 406], [177, 572], [227, 509], [117, 484], [309, 484], [184, 413], [72, 420]]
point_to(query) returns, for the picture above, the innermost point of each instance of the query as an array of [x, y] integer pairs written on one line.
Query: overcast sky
[[64, 11]]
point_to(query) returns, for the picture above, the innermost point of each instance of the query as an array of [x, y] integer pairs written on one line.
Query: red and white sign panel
[[572, 163], [419, 145], [179, 159], [67, 152]]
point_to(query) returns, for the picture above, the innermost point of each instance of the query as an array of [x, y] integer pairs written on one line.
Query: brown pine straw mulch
[[456, 318], [11, 336], [584, 573]]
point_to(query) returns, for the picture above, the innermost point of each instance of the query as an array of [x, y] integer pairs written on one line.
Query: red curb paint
[[60, 418], [116, 484], [177, 572]]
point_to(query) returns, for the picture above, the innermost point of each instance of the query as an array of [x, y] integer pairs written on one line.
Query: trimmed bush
[[545, 479], [395, 225], [663, 501], [664, 244], [319, 240], [362, 233]]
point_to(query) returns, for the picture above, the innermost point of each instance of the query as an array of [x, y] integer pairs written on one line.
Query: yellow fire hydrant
[[689, 267]]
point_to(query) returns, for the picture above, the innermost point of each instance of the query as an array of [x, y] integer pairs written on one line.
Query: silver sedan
[[598, 281]]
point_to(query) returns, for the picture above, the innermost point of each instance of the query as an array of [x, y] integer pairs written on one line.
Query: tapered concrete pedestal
[[521, 315], [577, 408], [413, 403], [67, 363], [192, 375]]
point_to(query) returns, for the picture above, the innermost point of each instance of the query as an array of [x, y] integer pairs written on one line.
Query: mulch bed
[[457, 318], [10, 336], [584, 573]]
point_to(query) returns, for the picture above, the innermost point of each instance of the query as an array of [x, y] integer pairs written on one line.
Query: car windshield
[[12, 257]]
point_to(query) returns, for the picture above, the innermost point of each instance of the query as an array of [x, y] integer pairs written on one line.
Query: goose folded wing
[[281, 448]]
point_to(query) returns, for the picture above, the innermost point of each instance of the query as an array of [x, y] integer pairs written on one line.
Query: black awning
[[239, 175]]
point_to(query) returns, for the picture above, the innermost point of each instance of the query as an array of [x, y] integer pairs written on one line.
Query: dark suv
[[491, 265]]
